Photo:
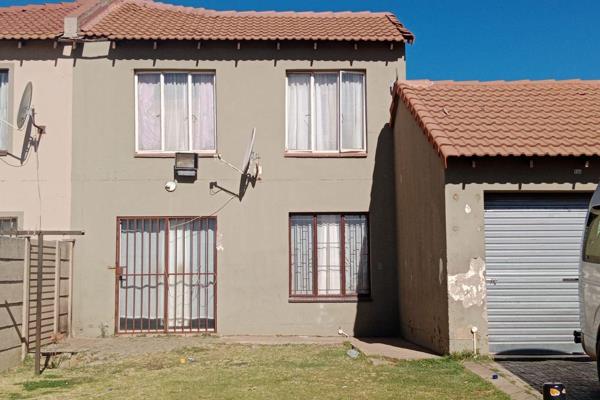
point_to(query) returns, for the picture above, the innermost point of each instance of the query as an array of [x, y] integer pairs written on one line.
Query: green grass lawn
[[231, 371]]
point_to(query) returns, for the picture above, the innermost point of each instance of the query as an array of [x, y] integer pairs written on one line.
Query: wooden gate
[[57, 273]]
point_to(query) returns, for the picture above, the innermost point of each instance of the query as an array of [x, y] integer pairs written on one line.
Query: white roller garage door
[[532, 246]]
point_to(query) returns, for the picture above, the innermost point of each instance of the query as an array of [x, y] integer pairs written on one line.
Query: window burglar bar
[[166, 275], [329, 255]]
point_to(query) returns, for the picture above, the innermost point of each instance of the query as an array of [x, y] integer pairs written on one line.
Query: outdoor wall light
[[186, 167]]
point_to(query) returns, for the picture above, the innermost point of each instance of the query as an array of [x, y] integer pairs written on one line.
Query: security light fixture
[[186, 167]]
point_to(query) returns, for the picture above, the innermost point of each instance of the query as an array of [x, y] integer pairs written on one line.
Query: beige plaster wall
[[108, 181], [50, 71], [421, 237]]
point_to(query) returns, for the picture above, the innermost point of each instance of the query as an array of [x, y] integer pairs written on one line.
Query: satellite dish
[[249, 152], [246, 177], [24, 105]]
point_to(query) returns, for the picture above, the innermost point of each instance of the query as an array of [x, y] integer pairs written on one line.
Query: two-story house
[[124, 85]]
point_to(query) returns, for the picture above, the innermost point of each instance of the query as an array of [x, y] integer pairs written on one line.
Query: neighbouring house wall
[[421, 236], [12, 254], [50, 71], [465, 192], [253, 255]]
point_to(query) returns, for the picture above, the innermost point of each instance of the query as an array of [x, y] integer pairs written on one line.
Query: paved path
[[133, 345], [394, 348], [503, 379], [579, 377]]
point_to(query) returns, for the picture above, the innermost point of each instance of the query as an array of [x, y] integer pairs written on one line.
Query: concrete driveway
[[579, 376]]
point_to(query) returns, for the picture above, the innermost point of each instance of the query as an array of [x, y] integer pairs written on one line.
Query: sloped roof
[[145, 19], [519, 118], [150, 20], [43, 21]]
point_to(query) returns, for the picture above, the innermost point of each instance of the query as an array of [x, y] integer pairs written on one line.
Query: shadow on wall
[[248, 51], [379, 316], [522, 170]]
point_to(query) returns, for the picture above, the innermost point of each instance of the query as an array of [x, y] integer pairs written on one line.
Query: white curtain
[[203, 112], [191, 265], [149, 112], [353, 105], [298, 113], [191, 268], [326, 113], [180, 293], [4, 128], [202, 245], [176, 112], [356, 254], [328, 254], [142, 245], [302, 254]]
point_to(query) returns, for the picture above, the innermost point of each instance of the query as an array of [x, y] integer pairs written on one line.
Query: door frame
[[117, 268]]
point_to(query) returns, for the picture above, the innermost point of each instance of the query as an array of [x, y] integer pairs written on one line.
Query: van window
[[591, 251]]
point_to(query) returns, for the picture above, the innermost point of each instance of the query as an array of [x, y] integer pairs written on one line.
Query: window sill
[[329, 299], [172, 155], [292, 154]]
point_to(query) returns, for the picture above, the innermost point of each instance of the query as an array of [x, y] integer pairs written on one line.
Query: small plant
[[466, 355], [103, 330], [45, 384]]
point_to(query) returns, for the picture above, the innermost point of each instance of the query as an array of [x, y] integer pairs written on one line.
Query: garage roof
[[150, 20], [518, 118]]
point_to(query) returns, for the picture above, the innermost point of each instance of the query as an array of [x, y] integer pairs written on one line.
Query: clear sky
[[473, 39]]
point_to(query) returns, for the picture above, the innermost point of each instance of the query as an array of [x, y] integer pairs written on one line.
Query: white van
[[589, 282]]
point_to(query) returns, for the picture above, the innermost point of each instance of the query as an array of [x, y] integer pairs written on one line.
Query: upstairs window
[[175, 111], [326, 112], [5, 132]]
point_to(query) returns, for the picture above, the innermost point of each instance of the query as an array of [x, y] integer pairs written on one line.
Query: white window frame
[[340, 149], [9, 109], [162, 112]]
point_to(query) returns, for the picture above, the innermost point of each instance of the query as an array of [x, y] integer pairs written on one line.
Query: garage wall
[[466, 185], [421, 239]]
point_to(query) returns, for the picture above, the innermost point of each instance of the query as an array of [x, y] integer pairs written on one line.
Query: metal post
[[57, 268], [70, 304], [38, 303], [26, 285]]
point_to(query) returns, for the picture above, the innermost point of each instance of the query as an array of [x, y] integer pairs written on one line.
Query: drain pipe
[[474, 332]]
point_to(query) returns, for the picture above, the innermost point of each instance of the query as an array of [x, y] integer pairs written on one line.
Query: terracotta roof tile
[[520, 118], [146, 19], [43, 21]]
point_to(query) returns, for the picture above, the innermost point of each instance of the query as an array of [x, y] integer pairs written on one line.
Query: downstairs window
[[329, 255]]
